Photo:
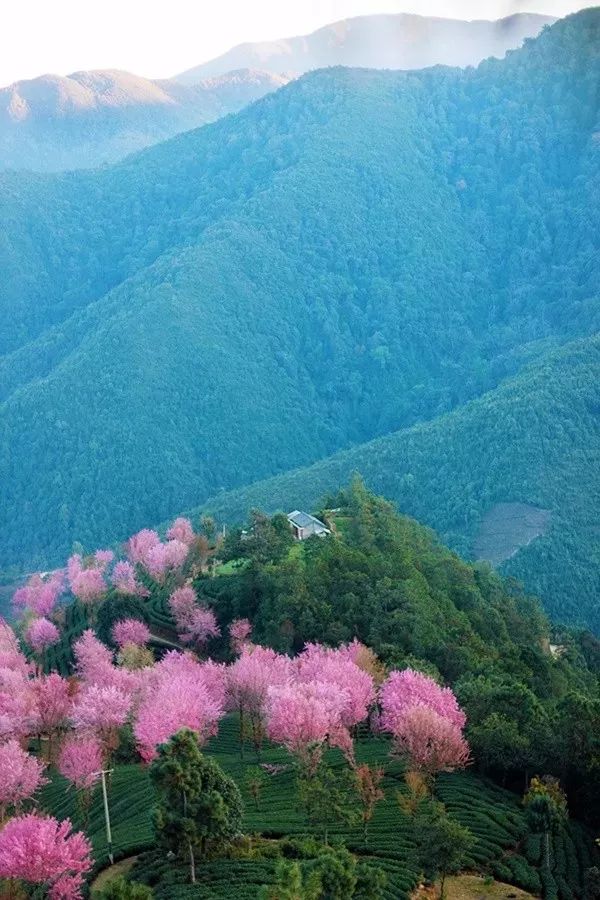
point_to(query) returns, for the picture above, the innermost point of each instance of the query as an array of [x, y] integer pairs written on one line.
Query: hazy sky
[[159, 38]]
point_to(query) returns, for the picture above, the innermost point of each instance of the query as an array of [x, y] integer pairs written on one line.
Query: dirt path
[[106, 875]]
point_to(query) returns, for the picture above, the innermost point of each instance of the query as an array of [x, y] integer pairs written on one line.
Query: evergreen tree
[[199, 807]]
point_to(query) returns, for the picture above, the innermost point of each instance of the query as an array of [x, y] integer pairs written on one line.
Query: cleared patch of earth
[[508, 527], [472, 887]]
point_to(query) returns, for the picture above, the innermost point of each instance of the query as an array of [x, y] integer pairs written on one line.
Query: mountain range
[[91, 118], [88, 119], [395, 41], [395, 272]]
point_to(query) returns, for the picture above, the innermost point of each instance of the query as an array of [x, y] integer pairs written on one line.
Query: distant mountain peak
[[395, 41]]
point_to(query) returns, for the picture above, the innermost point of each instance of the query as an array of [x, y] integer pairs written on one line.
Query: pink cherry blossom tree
[[425, 721], [42, 851], [182, 530], [337, 667], [101, 711], [182, 604], [304, 717], [139, 545], [180, 693], [430, 742], [81, 762], [239, 635], [20, 776], [201, 626], [87, 583], [54, 701], [40, 594], [402, 690], [130, 631], [124, 580], [248, 681], [40, 635]]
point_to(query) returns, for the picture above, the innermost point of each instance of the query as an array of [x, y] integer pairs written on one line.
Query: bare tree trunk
[[192, 863]]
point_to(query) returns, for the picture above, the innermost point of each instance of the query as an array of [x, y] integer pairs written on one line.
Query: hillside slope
[[354, 254], [87, 119], [401, 41], [535, 440]]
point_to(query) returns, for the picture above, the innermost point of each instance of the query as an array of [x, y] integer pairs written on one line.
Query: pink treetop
[[318, 663], [130, 631], [92, 658], [162, 557], [40, 594], [183, 602], [41, 634], [53, 702], [432, 743], [181, 701], [95, 667], [403, 690], [41, 850], [103, 558], [124, 580], [18, 708], [20, 775], [251, 675], [302, 716], [239, 634], [201, 626], [213, 676], [87, 584], [100, 709], [8, 639], [139, 546], [181, 530], [80, 761]]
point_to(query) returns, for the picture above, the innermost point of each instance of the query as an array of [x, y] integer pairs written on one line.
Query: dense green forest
[[356, 254], [535, 439]]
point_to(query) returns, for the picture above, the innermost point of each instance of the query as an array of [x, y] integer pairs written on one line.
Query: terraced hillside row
[[504, 846]]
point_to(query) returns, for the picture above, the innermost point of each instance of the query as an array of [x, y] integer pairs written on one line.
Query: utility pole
[[103, 775]]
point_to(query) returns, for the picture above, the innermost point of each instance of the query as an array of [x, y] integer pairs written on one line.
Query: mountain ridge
[[395, 40], [89, 118]]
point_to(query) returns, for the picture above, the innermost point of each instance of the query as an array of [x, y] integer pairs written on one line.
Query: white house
[[304, 525]]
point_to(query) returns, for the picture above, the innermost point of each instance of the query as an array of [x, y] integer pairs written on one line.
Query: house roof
[[303, 520]]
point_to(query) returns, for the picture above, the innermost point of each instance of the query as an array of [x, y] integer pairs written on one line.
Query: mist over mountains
[[397, 41], [87, 119]]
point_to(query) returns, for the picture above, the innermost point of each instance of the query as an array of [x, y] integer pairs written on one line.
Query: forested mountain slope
[[400, 41], [86, 119], [534, 440], [356, 253]]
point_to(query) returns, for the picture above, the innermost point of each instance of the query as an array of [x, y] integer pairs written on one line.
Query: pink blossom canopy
[[41, 634], [431, 742], [402, 690], [41, 850], [181, 693], [181, 530], [239, 633], [20, 774], [87, 584], [80, 761], [300, 716], [131, 631], [100, 709], [40, 594]]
